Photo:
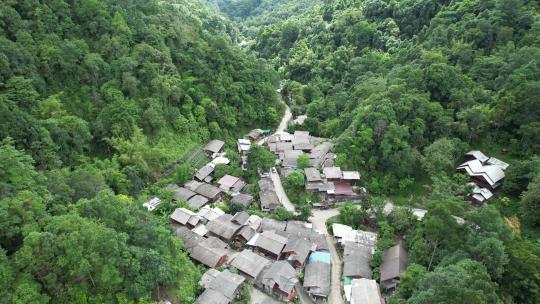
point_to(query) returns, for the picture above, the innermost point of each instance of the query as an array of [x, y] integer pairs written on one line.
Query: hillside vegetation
[[97, 97]]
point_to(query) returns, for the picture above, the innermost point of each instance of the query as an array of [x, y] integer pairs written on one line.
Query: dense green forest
[[97, 97], [406, 87]]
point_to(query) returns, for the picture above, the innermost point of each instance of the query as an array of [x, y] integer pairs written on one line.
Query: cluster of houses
[[267, 195], [272, 254], [358, 249], [322, 176], [334, 185], [486, 175]]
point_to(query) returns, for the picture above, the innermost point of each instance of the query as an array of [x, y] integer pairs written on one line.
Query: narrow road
[[319, 223], [280, 191], [284, 120]]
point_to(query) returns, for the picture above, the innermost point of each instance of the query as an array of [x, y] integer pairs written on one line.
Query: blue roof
[[320, 256]]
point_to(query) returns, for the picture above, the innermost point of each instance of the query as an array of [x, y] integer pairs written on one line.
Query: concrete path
[[319, 222], [280, 191], [285, 119]]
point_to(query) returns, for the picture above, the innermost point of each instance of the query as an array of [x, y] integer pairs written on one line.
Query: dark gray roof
[[207, 256], [189, 238], [223, 227], [283, 146], [268, 224], [281, 274], [213, 242], [300, 247], [204, 172], [320, 150], [269, 200], [271, 242], [197, 201], [394, 262], [250, 263], [266, 184], [208, 191], [242, 199], [171, 187], [240, 218], [227, 283], [192, 185], [184, 216], [183, 194], [214, 146], [356, 261], [247, 232], [312, 174], [320, 241], [298, 229], [317, 278], [212, 296]]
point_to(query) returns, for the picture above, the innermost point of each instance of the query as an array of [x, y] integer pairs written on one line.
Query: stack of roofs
[[280, 279], [333, 185], [249, 264], [267, 195], [288, 147], [317, 276], [358, 248], [242, 199], [487, 173], [344, 233], [268, 243], [223, 227], [221, 287], [231, 183]]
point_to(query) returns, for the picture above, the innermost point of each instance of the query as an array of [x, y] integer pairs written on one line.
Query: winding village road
[[318, 220]]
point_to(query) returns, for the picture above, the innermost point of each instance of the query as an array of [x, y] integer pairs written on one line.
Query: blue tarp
[[320, 256]]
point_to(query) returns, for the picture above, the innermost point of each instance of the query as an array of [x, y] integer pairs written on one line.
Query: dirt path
[[285, 119], [319, 222]]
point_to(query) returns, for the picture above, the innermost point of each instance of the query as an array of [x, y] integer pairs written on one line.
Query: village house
[[255, 135], [394, 263], [270, 244], [200, 229], [213, 147], [183, 194], [254, 222], [268, 224], [152, 204], [231, 183], [189, 238], [245, 234], [240, 218], [223, 228], [269, 200], [279, 279], [204, 174], [333, 173], [364, 291], [485, 176], [317, 276], [356, 260], [209, 214], [185, 217], [212, 193], [249, 264], [242, 199], [211, 257], [197, 201], [296, 251], [221, 287]]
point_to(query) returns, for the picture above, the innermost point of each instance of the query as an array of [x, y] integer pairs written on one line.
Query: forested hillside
[[393, 79], [97, 97], [406, 87]]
